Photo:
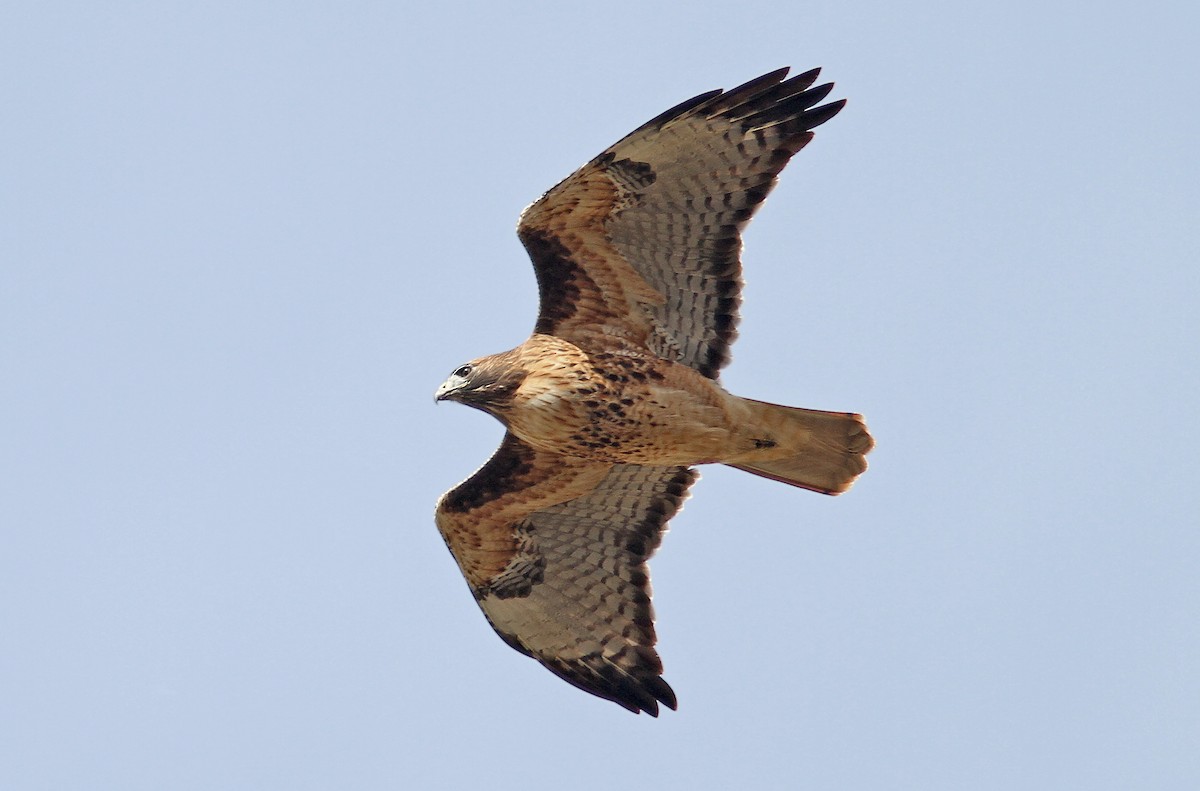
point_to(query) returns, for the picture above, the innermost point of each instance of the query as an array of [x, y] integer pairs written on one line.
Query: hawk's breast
[[621, 408]]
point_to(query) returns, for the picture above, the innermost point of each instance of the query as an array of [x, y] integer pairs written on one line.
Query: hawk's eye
[[464, 372]]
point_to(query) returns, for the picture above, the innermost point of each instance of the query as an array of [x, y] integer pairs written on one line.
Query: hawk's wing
[[554, 550], [644, 241]]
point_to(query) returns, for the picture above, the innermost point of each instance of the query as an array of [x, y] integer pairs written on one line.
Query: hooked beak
[[445, 391]]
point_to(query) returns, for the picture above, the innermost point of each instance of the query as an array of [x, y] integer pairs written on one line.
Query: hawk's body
[[614, 397]]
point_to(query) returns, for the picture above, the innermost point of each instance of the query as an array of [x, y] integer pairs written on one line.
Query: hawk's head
[[487, 383]]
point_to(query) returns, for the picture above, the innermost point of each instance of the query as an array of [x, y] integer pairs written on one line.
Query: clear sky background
[[242, 243]]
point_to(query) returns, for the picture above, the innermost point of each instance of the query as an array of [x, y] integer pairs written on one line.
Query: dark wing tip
[[792, 103], [758, 84], [637, 689], [805, 79], [820, 115], [718, 99]]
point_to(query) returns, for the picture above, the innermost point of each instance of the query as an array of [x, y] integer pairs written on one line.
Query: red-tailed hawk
[[614, 397]]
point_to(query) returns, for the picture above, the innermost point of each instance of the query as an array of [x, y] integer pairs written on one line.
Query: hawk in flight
[[614, 398]]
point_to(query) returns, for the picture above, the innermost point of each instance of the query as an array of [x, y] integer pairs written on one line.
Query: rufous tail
[[821, 451]]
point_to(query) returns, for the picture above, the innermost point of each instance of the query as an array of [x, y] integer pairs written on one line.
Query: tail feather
[[821, 451]]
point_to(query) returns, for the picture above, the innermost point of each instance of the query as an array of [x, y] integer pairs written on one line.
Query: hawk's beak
[[444, 391]]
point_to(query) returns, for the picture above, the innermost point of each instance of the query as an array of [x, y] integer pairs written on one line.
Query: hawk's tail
[[821, 451]]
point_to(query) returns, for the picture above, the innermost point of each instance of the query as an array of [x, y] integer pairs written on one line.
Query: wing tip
[[775, 82], [642, 696], [636, 689], [819, 115]]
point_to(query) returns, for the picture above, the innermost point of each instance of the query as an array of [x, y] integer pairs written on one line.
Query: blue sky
[[240, 245]]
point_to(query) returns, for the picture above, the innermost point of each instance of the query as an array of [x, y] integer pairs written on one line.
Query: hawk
[[614, 398]]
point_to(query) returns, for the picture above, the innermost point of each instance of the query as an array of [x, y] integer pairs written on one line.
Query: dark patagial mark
[[501, 475], [559, 279]]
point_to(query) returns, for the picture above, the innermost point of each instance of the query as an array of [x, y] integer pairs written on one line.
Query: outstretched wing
[[555, 549], [644, 241]]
